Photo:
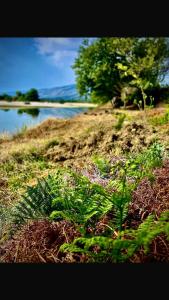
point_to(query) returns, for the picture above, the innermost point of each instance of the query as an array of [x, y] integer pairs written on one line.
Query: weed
[[102, 164], [120, 121]]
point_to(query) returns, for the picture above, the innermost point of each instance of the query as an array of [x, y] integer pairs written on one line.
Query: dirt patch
[[158, 252], [39, 242], [104, 140], [150, 198]]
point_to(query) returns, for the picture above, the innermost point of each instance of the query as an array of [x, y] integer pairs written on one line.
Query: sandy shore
[[45, 104]]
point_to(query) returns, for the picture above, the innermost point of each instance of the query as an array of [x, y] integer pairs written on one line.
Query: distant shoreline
[[4, 104]]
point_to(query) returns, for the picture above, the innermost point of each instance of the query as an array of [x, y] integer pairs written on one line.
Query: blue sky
[[36, 62]]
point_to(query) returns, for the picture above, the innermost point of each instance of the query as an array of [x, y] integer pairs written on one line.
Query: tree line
[[31, 95]]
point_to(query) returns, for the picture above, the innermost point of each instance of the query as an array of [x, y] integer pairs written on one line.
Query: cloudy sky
[[36, 62]]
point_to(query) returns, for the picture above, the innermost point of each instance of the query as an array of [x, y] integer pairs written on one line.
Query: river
[[13, 119]]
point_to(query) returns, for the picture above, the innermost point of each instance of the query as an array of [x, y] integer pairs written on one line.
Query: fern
[[71, 196], [125, 245], [81, 201], [35, 204], [102, 164]]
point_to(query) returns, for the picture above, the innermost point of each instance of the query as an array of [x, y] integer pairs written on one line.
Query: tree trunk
[[113, 102], [144, 99]]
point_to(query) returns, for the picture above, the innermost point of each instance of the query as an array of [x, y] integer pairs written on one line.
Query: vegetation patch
[[86, 216]]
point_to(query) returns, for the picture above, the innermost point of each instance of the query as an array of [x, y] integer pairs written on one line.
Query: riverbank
[[4, 104]]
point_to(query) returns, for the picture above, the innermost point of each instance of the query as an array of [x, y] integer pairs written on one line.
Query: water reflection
[[34, 112], [12, 119], [5, 109]]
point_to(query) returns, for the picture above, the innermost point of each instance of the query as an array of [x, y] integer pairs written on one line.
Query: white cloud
[[58, 49]]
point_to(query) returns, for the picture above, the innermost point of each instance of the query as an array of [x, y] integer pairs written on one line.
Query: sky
[[27, 63]]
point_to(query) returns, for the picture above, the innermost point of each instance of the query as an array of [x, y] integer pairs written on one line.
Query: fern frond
[[125, 245]]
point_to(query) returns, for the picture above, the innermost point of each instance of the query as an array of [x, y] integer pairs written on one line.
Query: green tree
[[109, 66], [147, 66], [5, 97], [32, 95], [19, 96]]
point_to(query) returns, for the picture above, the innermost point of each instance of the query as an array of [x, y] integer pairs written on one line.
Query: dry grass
[[39, 242]]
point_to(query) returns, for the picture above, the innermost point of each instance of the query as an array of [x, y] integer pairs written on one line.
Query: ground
[[73, 142], [8, 104]]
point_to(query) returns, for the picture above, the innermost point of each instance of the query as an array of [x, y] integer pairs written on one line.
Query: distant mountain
[[67, 92]]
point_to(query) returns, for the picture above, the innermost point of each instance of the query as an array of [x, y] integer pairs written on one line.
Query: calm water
[[13, 119]]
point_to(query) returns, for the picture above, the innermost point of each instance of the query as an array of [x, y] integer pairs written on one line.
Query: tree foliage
[[5, 97], [32, 95], [107, 66]]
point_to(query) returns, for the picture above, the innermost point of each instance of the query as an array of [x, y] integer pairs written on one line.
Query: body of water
[[13, 119]]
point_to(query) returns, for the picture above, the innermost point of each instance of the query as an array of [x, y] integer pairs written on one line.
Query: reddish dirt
[[150, 197], [39, 242]]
